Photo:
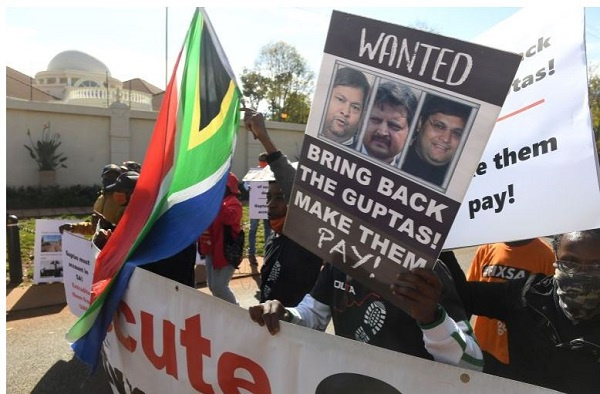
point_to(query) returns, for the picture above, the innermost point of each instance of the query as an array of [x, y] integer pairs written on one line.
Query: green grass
[[27, 238], [260, 233]]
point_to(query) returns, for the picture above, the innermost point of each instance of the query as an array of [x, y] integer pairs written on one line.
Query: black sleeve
[[322, 291], [488, 299], [449, 298], [458, 275], [499, 300]]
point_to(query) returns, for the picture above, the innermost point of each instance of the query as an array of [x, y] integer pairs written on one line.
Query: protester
[[179, 267], [289, 271], [439, 132], [120, 192], [348, 94], [389, 122], [499, 262], [262, 162], [553, 321], [104, 206], [218, 270], [431, 324]]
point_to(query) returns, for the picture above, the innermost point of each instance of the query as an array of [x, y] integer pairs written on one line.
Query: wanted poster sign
[[398, 124]]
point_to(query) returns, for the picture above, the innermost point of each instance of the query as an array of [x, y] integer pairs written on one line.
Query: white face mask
[[578, 290]]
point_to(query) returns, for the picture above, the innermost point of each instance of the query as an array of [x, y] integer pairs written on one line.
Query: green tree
[[297, 108], [594, 97], [255, 87], [282, 80]]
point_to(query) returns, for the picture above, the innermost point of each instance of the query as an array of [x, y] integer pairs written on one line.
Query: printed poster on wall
[[538, 175], [47, 251], [208, 345], [398, 123], [78, 268]]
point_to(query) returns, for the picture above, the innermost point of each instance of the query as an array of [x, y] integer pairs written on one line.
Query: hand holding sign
[[268, 314], [418, 293]]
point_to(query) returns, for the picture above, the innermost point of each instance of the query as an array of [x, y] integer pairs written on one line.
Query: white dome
[[76, 60]]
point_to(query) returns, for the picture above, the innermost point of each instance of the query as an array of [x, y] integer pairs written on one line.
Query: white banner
[[208, 345], [47, 251], [78, 264], [539, 172]]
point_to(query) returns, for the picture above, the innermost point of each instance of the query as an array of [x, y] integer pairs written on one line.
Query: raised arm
[[282, 168]]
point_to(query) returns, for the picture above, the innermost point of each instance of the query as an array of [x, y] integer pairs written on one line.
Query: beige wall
[[92, 137]]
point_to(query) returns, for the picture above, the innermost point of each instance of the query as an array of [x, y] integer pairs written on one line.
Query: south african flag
[[182, 181]]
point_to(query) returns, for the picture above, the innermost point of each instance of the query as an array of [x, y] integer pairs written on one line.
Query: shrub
[[44, 150], [33, 197]]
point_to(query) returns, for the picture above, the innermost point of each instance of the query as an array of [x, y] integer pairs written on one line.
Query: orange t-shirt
[[498, 263]]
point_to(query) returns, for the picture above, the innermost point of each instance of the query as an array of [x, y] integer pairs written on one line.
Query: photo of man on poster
[[389, 121], [439, 132], [346, 106]]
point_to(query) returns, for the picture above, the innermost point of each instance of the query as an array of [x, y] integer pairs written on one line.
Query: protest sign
[[383, 200], [258, 200], [47, 251], [257, 180], [538, 175], [78, 268], [208, 345]]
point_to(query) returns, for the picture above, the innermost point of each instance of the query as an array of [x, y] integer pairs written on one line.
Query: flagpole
[[166, 44]]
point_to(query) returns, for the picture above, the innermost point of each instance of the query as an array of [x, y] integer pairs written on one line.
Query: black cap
[[125, 183], [110, 172], [131, 165], [111, 168]]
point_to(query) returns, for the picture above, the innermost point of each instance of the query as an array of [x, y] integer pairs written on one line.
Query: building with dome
[[74, 77], [100, 120]]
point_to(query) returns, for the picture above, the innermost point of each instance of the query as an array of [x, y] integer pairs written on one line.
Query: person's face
[[577, 276], [343, 113], [110, 177], [583, 251], [276, 202], [439, 138], [386, 133], [120, 198]]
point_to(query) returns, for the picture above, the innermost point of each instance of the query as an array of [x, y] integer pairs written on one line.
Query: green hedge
[[33, 197]]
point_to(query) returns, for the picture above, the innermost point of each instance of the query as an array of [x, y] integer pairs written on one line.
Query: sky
[[143, 42]]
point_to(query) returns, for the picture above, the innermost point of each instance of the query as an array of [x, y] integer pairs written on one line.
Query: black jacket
[[362, 314], [289, 271], [545, 347]]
